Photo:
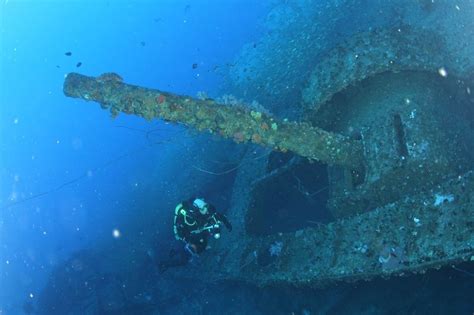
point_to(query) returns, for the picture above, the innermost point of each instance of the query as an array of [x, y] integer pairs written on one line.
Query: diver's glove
[[223, 219]]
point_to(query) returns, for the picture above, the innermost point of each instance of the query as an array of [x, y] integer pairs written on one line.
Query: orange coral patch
[[161, 99], [256, 138]]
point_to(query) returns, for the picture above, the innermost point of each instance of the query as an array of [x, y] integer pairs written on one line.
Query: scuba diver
[[195, 221]]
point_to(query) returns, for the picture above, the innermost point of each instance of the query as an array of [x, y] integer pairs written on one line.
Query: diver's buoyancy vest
[[188, 220]]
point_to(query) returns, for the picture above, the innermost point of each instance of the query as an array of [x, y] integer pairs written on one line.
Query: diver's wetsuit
[[190, 224], [194, 228]]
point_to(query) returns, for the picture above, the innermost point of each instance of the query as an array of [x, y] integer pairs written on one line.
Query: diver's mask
[[201, 205]]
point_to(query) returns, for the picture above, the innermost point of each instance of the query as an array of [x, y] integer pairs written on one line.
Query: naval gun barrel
[[238, 123]]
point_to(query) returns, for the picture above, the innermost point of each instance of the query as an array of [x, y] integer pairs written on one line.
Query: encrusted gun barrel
[[238, 123]]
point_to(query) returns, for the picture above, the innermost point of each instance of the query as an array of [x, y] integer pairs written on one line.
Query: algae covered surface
[[337, 136]]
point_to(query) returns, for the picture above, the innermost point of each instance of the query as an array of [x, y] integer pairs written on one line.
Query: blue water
[[69, 173], [77, 185]]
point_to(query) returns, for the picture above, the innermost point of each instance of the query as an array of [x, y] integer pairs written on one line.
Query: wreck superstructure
[[390, 112]]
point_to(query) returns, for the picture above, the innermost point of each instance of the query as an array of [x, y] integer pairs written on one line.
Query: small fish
[[79, 64], [68, 53], [195, 65], [142, 43]]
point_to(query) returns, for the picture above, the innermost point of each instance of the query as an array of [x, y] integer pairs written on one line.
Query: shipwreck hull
[[409, 209], [379, 166], [428, 230]]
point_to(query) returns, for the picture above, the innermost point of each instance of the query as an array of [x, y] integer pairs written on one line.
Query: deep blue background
[[48, 140]]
